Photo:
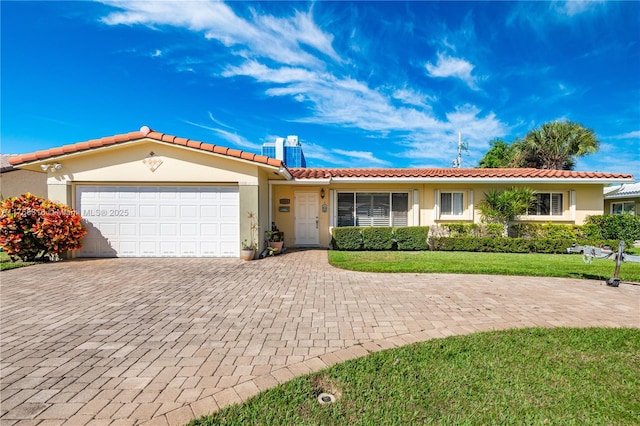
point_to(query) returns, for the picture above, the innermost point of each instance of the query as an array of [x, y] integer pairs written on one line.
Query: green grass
[[6, 263], [544, 265], [532, 376]]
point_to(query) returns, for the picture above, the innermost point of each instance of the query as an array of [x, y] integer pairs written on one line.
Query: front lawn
[[530, 376], [6, 263], [545, 265]]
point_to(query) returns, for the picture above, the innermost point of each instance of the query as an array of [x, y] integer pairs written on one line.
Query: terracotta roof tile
[[194, 144], [273, 162], [248, 156], [311, 173], [220, 149], [144, 132], [206, 147], [234, 152]]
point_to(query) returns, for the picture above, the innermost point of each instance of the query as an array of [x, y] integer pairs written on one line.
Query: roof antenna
[[457, 163]]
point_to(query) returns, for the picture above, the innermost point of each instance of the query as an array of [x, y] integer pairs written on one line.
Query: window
[[451, 204], [547, 204], [373, 209], [623, 207]]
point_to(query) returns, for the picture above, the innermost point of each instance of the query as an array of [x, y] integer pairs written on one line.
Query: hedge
[[411, 237], [511, 245], [377, 238], [346, 238], [607, 227], [380, 238], [623, 226]]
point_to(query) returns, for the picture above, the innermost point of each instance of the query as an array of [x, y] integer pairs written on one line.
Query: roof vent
[[145, 130]]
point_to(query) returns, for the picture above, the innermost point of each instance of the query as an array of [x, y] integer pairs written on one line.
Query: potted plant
[[275, 239], [249, 248]]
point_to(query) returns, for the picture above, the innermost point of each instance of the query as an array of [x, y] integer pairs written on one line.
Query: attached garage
[[149, 194], [159, 221]]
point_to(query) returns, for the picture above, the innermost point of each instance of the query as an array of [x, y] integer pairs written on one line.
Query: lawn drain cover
[[326, 398]]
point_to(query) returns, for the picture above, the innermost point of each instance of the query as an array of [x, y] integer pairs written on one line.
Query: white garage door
[[159, 221]]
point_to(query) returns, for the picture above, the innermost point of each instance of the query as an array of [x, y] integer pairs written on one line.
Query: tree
[[32, 227], [504, 206], [500, 155], [556, 145]]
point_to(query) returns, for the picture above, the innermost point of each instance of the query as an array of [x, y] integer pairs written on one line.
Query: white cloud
[[413, 97], [576, 7], [264, 74], [366, 156], [448, 66], [280, 39], [233, 138], [157, 53], [629, 135]]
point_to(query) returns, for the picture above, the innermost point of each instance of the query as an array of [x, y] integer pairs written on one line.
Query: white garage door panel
[[159, 221]]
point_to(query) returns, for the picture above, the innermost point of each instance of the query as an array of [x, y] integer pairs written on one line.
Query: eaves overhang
[[467, 180], [293, 181], [35, 164]]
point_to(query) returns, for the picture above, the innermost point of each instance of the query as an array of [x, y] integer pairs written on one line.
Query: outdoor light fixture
[[322, 193], [51, 167]]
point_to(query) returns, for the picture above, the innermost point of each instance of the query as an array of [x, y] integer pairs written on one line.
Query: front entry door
[[306, 210]]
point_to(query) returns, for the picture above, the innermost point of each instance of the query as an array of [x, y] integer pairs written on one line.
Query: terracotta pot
[[277, 244], [247, 254]]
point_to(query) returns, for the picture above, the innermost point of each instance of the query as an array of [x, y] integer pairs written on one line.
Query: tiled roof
[[301, 173], [143, 133], [622, 191]]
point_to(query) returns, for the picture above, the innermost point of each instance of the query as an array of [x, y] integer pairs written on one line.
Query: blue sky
[[363, 84]]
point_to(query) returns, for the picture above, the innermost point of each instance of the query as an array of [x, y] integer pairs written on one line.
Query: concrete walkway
[[161, 341]]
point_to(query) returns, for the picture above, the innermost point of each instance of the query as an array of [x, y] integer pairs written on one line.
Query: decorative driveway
[[161, 341]]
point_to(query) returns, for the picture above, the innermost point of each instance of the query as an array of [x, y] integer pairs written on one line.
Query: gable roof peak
[[145, 132]]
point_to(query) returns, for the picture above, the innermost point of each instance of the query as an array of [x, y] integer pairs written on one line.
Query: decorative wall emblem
[[152, 162]]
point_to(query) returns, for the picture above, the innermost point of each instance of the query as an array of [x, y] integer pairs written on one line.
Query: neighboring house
[[146, 193], [14, 182], [622, 199]]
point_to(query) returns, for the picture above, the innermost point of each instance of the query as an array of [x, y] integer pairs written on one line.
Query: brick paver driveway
[[129, 341]]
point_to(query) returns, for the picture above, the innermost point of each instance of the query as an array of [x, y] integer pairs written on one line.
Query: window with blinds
[[373, 209], [451, 203], [547, 204]]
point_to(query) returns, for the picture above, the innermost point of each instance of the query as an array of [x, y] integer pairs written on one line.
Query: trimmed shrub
[[346, 238], [494, 230], [511, 245], [456, 229], [411, 237], [377, 238], [623, 226], [32, 227]]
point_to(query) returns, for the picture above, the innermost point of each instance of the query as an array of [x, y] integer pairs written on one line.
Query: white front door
[[306, 211]]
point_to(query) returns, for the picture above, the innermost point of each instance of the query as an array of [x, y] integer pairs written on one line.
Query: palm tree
[[556, 145], [504, 206]]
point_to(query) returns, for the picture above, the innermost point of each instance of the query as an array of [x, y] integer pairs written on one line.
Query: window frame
[[633, 207], [451, 216], [354, 206], [534, 213]]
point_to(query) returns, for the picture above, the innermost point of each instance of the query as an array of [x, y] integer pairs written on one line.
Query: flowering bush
[[31, 226]]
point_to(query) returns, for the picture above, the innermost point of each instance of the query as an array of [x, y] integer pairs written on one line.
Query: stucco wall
[[126, 163], [588, 201], [129, 164], [18, 182]]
